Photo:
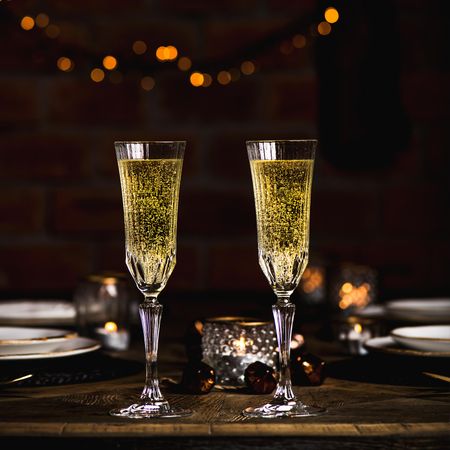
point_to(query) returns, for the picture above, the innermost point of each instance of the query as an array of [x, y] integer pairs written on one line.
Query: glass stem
[[150, 312], [283, 313]]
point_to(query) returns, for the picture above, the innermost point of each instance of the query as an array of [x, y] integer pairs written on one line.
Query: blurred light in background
[[109, 62], [207, 80], [223, 77], [197, 79], [147, 83], [184, 63], [139, 47], [324, 28], [97, 75], [247, 68], [65, 64], [42, 20], [52, 31], [27, 23], [331, 15]]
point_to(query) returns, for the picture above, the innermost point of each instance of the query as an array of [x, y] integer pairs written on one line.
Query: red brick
[[293, 98], [19, 102], [88, 210], [416, 210], [343, 213], [21, 210], [42, 268], [43, 157], [426, 95], [88, 103], [182, 102], [235, 267], [216, 213]]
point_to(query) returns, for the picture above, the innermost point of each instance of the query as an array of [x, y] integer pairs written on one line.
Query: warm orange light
[[52, 31], [171, 53], [331, 15], [207, 80], [97, 75], [184, 63], [347, 288], [139, 47], [65, 64], [109, 62], [299, 41], [223, 77], [27, 23], [110, 327], [247, 68], [42, 20], [324, 28], [161, 53], [147, 83], [358, 328], [196, 79]]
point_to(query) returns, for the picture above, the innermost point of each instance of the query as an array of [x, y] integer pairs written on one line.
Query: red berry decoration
[[198, 378], [307, 370], [259, 378]]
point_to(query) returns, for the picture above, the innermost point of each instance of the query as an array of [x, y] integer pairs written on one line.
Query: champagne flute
[[150, 174], [282, 173]]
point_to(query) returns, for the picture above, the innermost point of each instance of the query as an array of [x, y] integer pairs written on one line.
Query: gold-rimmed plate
[[58, 349], [386, 345], [31, 335]]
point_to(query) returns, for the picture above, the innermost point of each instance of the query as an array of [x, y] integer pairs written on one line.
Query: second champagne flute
[[150, 174]]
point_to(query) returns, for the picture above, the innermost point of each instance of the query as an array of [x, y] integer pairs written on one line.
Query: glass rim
[[150, 142], [255, 141]]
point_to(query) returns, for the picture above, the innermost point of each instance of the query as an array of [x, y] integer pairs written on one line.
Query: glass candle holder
[[230, 344], [353, 331], [353, 287], [102, 309]]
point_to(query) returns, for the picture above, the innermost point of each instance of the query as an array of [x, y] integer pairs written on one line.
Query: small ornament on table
[[260, 378], [307, 369], [198, 378], [112, 337]]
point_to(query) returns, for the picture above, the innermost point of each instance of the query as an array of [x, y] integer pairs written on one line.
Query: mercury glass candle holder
[[230, 344]]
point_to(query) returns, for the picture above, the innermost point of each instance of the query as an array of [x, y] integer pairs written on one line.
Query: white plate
[[37, 312], [29, 335], [431, 338], [68, 347], [431, 310], [386, 345]]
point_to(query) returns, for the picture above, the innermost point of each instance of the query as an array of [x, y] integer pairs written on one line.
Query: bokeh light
[[109, 62], [299, 41], [27, 23], [147, 83], [223, 77], [247, 68], [197, 79], [207, 80], [324, 28], [97, 75], [331, 15], [65, 64], [42, 20], [168, 53], [139, 47], [184, 63], [52, 31]]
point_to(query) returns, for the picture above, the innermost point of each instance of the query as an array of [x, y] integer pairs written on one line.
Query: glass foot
[[161, 410], [287, 409]]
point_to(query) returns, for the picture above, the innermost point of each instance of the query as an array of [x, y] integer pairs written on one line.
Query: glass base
[[285, 409], [154, 410]]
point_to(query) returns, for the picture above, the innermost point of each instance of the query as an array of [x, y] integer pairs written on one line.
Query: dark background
[[375, 92]]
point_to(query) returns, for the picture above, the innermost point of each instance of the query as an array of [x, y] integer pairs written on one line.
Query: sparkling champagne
[[282, 197], [150, 202]]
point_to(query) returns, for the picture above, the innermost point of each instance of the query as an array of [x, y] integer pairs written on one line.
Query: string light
[[97, 75], [324, 28], [331, 15], [27, 23], [197, 79], [64, 64], [147, 83], [109, 62], [170, 53], [139, 47], [42, 20]]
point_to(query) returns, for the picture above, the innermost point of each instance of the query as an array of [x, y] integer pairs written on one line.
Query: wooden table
[[361, 414]]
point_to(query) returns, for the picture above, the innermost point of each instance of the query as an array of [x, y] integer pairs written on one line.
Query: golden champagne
[[150, 201], [282, 191]]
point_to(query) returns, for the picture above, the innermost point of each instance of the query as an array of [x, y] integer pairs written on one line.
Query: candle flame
[[358, 328], [110, 327], [240, 345]]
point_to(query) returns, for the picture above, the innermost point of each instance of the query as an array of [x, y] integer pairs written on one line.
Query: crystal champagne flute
[[150, 174], [282, 172]]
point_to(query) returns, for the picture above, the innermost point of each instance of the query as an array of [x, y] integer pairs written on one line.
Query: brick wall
[[60, 204]]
